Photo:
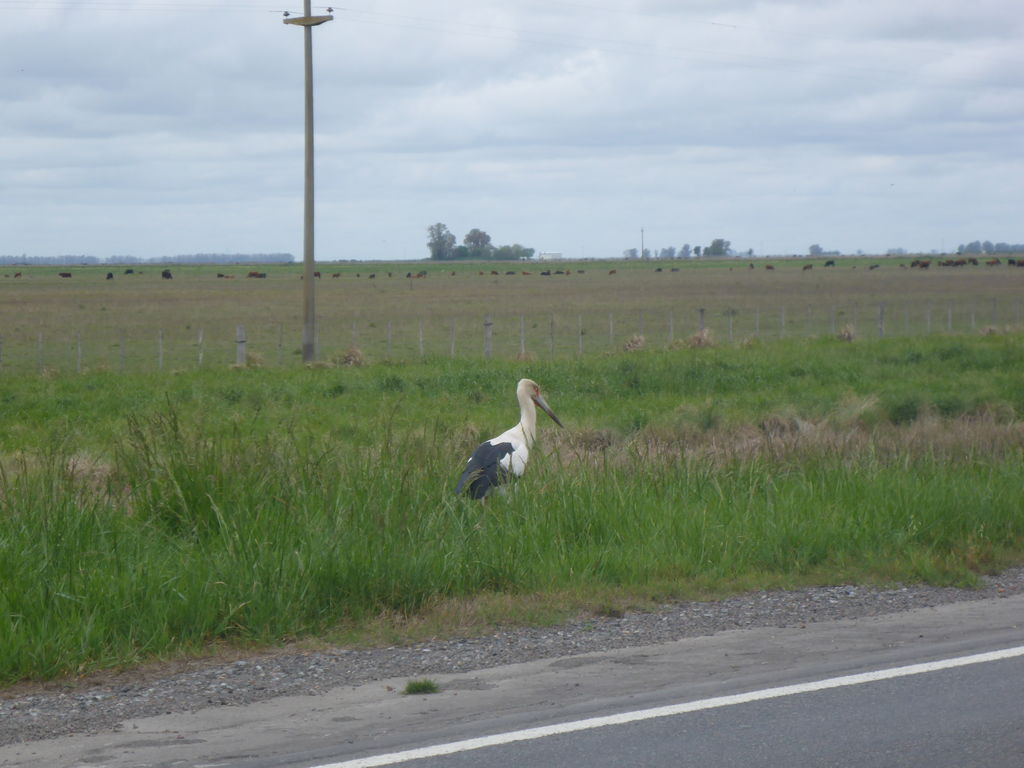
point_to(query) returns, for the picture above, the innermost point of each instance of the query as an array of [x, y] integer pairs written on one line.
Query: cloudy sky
[[156, 127]]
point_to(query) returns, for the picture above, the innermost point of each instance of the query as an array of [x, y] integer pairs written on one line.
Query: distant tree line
[[228, 258], [978, 247], [718, 248], [191, 258], [476, 246]]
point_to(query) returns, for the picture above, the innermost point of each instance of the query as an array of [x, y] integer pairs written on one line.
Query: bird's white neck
[[528, 419]]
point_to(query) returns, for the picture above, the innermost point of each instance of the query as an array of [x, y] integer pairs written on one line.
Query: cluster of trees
[[719, 247], [978, 247], [476, 245], [817, 250]]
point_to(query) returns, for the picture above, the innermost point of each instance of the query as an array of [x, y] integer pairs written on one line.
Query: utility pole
[[307, 21]]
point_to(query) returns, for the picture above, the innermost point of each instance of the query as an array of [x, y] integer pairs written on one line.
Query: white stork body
[[496, 459]]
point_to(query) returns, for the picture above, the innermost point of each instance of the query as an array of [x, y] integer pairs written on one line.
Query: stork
[[495, 459]]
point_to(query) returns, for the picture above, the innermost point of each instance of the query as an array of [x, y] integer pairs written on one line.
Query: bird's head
[[532, 390]]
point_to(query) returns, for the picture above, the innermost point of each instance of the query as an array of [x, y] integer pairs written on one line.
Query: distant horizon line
[[286, 259]]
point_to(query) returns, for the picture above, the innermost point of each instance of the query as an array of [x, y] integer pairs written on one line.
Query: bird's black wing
[[483, 470]]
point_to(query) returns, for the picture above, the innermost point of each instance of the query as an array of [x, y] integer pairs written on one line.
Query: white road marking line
[[541, 732]]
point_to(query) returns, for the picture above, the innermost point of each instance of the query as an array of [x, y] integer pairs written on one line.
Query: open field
[[145, 515], [142, 322]]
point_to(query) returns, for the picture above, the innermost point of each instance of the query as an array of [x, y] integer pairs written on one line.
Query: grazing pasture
[[149, 513], [140, 321]]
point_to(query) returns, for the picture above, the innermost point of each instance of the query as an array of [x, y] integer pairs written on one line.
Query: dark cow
[[830, 263], [807, 267], [110, 275], [166, 274], [64, 274], [768, 266]]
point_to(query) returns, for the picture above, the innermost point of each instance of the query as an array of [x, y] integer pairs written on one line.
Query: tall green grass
[[259, 507]]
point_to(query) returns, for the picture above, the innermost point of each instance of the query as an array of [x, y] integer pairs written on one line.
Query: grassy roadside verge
[[258, 507]]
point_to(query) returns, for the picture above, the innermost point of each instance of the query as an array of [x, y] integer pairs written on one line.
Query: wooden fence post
[[240, 345], [488, 325]]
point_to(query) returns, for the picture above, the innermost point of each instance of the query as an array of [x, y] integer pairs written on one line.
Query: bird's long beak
[[544, 406]]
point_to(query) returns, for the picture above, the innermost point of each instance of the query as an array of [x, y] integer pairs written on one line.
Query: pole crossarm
[[308, 21]]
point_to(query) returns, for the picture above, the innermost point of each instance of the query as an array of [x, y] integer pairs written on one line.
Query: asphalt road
[[969, 715]]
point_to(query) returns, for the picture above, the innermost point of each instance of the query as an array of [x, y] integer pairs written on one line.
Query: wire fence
[[362, 340]]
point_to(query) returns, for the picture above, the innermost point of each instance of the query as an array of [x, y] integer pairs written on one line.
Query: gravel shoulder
[[29, 713]]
